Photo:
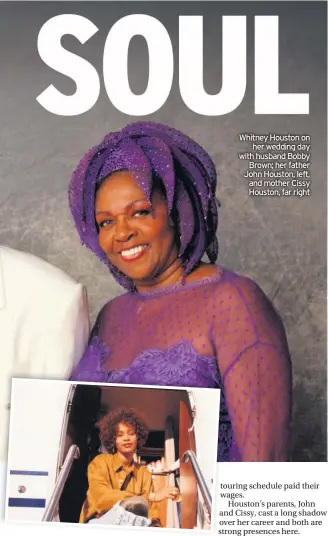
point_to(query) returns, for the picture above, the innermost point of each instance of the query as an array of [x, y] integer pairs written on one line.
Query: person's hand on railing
[[168, 492]]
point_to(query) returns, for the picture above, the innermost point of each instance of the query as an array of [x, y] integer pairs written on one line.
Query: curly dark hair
[[108, 427]]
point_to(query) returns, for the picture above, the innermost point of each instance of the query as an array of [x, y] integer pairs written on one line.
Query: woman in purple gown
[[144, 202]]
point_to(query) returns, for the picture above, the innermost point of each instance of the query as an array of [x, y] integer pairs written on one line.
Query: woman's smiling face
[[126, 438], [137, 238]]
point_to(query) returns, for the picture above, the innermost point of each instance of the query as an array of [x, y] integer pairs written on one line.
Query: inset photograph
[[112, 455]]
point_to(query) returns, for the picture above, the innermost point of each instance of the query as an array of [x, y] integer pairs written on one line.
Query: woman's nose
[[123, 231]]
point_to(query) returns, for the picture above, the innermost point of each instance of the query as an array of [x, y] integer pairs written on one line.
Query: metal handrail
[[72, 454], [189, 455]]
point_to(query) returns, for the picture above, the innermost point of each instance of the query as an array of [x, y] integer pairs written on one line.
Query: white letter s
[[81, 71]]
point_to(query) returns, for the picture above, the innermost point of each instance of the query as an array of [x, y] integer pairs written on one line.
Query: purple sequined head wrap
[[150, 150]]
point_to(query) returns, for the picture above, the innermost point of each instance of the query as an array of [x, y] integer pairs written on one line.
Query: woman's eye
[[105, 223], [143, 212]]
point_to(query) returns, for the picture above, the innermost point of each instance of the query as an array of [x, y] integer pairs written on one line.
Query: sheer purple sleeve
[[255, 366], [89, 368]]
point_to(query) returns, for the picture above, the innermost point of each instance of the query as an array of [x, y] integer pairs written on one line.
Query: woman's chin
[[136, 273]]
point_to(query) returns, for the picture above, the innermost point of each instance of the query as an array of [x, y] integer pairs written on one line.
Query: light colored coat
[[44, 325]]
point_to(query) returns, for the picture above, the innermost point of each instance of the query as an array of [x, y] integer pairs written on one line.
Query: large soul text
[[267, 98]]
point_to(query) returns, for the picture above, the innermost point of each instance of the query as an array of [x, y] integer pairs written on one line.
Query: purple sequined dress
[[220, 332]]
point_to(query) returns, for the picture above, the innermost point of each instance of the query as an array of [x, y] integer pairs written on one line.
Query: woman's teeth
[[128, 253]]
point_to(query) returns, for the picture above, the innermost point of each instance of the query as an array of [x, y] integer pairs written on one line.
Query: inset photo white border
[[53, 437]]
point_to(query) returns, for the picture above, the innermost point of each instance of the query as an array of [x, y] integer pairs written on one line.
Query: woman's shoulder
[[239, 297], [237, 288], [113, 305], [101, 460], [233, 280], [143, 470], [219, 274], [222, 278]]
